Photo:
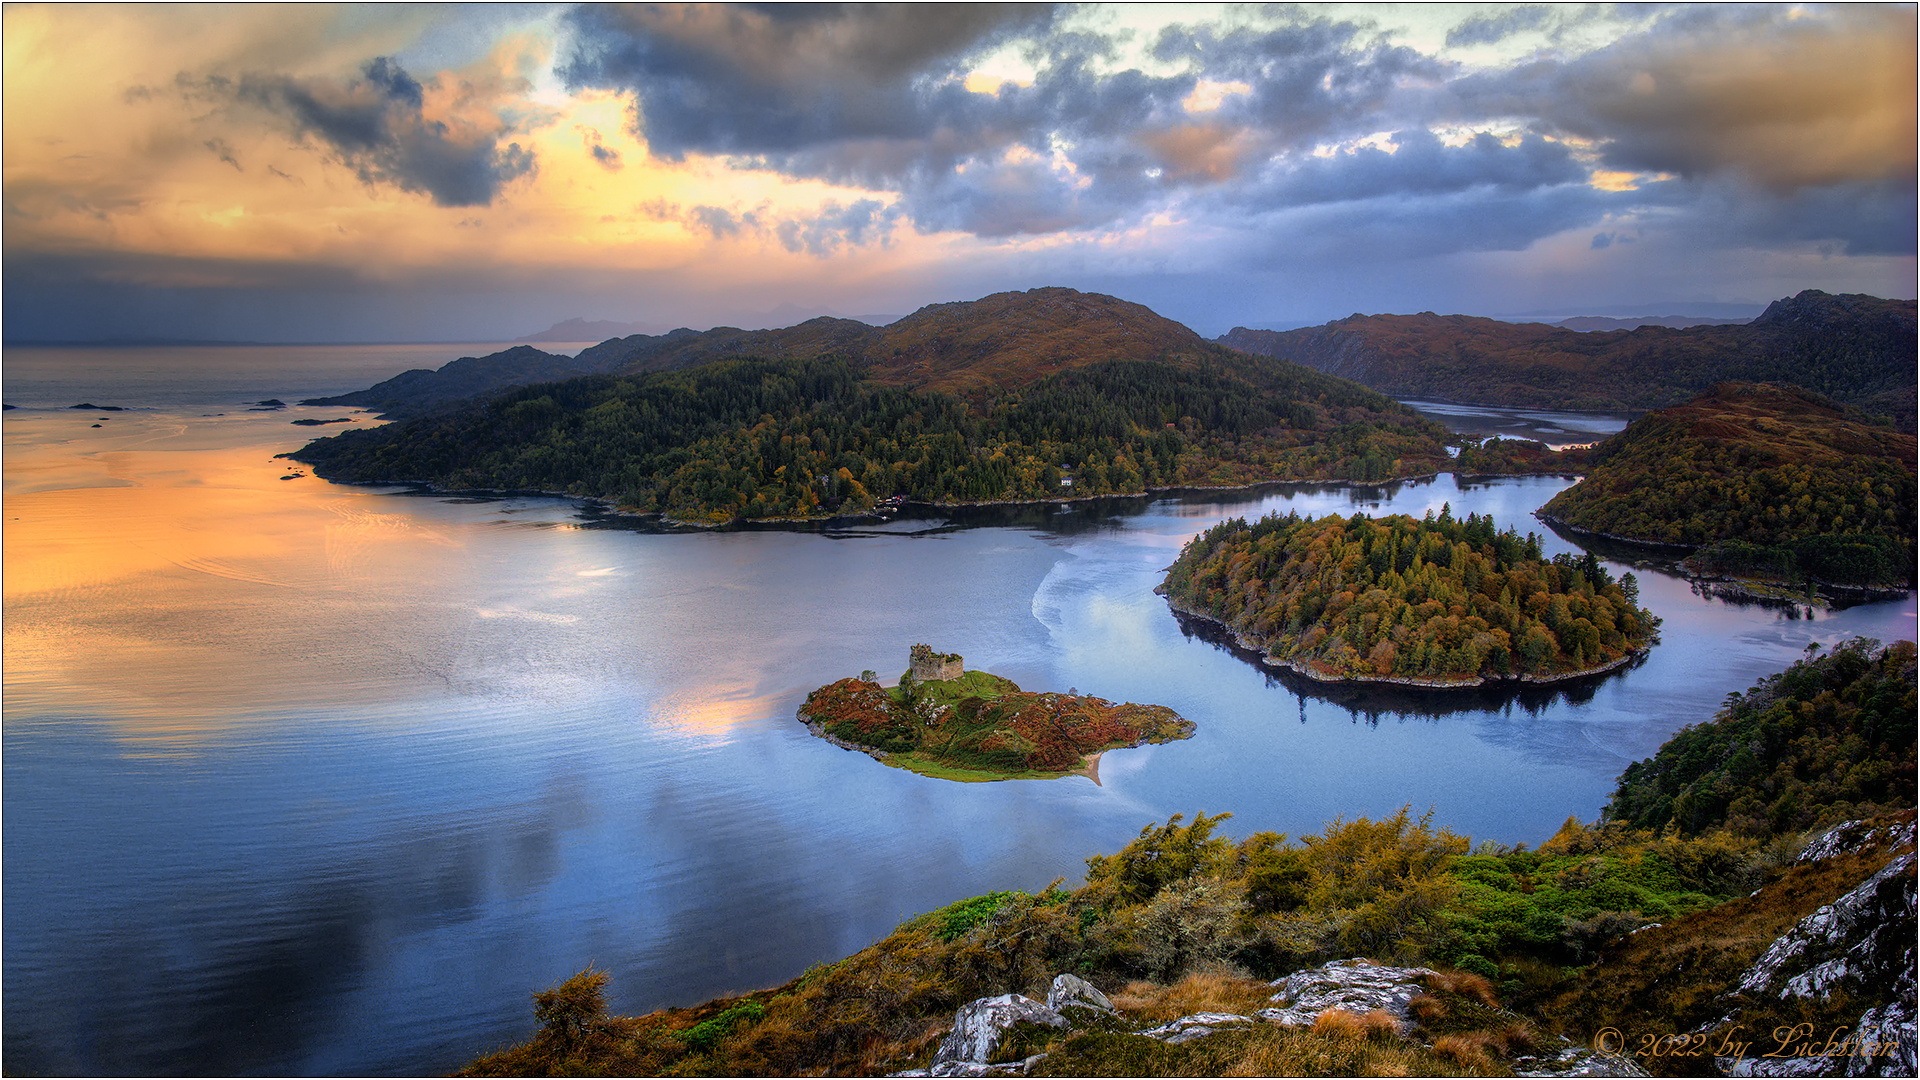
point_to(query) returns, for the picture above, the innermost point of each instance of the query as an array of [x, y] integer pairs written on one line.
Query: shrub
[[573, 1010]]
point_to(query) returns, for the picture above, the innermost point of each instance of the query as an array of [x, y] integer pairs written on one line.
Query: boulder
[[1356, 986], [978, 1026], [1074, 991]]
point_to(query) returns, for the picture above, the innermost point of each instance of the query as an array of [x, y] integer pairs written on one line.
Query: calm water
[[301, 778]]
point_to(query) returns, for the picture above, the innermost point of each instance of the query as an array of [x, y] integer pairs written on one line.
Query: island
[[1423, 602], [944, 721], [1040, 396]]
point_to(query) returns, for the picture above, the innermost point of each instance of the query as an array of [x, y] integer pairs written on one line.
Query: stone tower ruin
[[928, 664]]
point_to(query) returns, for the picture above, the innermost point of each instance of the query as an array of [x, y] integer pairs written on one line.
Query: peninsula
[[947, 722], [1435, 602]]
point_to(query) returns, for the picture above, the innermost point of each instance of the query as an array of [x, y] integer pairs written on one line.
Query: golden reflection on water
[[160, 575]]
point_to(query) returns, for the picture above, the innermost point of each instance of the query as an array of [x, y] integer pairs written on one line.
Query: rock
[[1862, 944], [1575, 1060], [1355, 986], [1852, 836], [1197, 1026], [1074, 991], [978, 1026]]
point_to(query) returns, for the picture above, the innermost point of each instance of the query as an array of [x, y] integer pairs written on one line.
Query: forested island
[[1037, 415], [1435, 602], [1728, 871], [944, 721], [1773, 483]]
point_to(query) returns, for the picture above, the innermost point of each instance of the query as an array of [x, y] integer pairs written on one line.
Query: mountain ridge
[[1855, 348]]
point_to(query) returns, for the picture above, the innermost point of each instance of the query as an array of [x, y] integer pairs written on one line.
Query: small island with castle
[[944, 721]]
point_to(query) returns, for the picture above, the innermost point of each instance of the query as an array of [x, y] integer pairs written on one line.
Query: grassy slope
[[1182, 921]]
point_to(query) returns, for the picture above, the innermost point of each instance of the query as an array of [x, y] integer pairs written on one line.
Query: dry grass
[[1468, 1051], [1427, 1009], [1204, 991], [1466, 984]]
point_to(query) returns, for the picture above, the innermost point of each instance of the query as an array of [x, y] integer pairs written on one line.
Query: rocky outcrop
[[1198, 1026], [1357, 986], [1861, 944], [979, 1026]]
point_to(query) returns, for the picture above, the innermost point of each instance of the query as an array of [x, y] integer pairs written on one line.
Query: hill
[[1604, 936], [1853, 348], [1436, 602], [998, 342], [1813, 483], [1021, 396]]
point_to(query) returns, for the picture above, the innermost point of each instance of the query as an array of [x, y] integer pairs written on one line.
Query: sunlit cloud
[[728, 158]]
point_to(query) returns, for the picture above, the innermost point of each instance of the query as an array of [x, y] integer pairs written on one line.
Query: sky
[[471, 173]]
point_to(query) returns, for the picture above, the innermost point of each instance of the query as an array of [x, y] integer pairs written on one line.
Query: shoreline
[[1525, 678], [1089, 766], [608, 508], [1753, 587]]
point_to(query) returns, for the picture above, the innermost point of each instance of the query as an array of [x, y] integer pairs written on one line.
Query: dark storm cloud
[[1421, 165], [1840, 219], [1399, 226], [1308, 82], [606, 157], [1487, 29], [374, 124], [778, 78]]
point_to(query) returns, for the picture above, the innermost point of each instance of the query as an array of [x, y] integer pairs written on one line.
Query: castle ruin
[[928, 664]]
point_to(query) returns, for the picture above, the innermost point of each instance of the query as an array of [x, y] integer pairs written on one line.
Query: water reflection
[[1372, 701]]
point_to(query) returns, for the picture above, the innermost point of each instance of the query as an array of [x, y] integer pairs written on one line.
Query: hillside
[[1064, 395], [1853, 348], [1759, 465], [1435, 602], [1193, 954], [998, 342]]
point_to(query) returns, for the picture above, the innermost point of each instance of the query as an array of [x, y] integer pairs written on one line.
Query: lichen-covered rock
[[1072, 991], [978, 1026], [1199, 1025], [1863, 944], [1355, 986]]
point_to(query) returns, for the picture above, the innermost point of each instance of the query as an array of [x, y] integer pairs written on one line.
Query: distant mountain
[[1588, 323], [589, 330], [1759, 464], [1857, 349]]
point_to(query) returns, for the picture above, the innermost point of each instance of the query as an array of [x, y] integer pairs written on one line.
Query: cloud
[[1491, 28], [1784, 101], [378, 125], [765, 79], [1421, 165]]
